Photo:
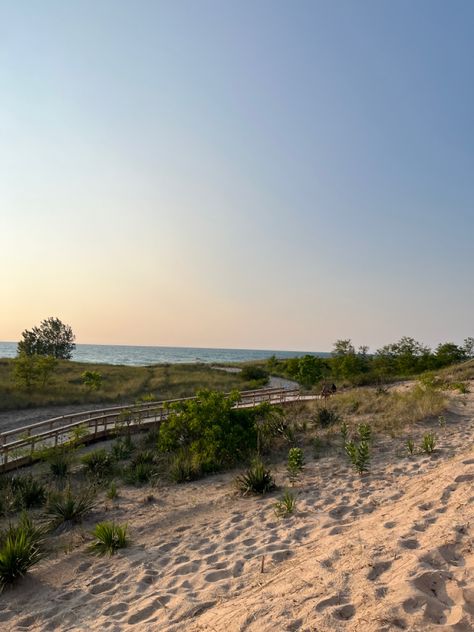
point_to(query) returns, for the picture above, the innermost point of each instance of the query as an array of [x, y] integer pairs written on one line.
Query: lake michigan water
[[142, 356]]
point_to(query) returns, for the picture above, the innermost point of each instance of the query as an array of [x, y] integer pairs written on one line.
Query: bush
[[326, 417], [257, 373], [286, 505], [92, 380], [109, 537], [210, 430], [98, 464], [256, 480], [66, 508], [122, 448]]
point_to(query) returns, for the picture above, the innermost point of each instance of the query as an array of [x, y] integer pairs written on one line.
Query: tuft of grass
[[428, 443], [286, 505], [139, 473], [66, 508], [326, 417], [112, 492], [109, 537], [256, 480], [410, 444]]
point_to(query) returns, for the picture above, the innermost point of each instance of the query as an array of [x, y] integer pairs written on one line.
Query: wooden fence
[[20, 446]]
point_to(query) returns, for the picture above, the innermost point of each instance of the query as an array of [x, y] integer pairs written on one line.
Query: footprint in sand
[[344, 613], [377, 569], [409, 543], [217, 576]]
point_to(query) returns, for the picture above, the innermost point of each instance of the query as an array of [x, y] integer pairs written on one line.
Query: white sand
[[389, 551]]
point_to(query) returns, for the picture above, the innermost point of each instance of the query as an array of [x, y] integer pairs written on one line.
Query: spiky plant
[[27, 492], [286, 505], [295, 463], [410, 446], [256, 480], [109, 537], [428, 443], [67, 508], [20, 549]]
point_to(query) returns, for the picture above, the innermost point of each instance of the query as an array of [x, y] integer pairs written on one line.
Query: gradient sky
[[256, 174]]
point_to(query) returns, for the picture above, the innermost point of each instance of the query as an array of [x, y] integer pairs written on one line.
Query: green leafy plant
[[66, 508], [92, 380], [256, 480], [359, 455], [344, 432], [365, 432], [295, 463], [109, 537], [428, 443], [286, 505]]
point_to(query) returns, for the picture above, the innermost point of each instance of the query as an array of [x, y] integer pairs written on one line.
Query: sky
[[252, 174]]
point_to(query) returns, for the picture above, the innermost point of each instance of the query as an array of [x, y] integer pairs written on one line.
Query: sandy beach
[[391, 550]]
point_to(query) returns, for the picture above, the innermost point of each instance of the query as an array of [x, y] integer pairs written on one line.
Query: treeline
[[401, 359]]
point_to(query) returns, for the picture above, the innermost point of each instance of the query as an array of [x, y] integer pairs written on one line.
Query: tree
[[51, 338], [310, 370], [449, 353]]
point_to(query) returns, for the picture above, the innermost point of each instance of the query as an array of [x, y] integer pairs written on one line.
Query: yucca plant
[[286, 505], [139, 473], [359, 455], [98, 464], [122, 448], [27, 492], [326, 417], [109, 537], [66, 508], [256, 480], [20, 549], [428, 443]]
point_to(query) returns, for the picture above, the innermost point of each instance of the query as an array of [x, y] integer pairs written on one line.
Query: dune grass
[[120, 384]]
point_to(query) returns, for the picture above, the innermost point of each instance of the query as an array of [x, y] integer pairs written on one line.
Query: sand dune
[[392, 550]]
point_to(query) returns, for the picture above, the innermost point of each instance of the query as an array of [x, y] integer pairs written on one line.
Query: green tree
[[449, 353], [51, 338], [310, 370]]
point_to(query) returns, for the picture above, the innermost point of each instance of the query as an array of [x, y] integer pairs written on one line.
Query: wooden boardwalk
[[20, 446]]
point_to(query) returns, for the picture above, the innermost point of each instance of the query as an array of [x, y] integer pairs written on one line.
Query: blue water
[[142, 356]]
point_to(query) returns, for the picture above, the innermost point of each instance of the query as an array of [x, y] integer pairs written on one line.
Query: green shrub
[[295, 462], [67, 508], [326, 417], [428, 443], [109, 537], [344, 432], [256, 480], [250, 373], [359, 455], [92, 380], [210, 429], [286, 505], [98, 464]]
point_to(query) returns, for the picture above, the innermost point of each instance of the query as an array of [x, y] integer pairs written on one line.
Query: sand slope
[[390, 551]]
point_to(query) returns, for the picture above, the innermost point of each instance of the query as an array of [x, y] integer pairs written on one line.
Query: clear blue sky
[[242, 174]]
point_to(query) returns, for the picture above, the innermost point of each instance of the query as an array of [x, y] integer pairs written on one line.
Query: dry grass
[[121, 384], [388, 412]]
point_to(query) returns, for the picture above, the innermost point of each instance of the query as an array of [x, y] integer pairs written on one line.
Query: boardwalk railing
[[20, 446]]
